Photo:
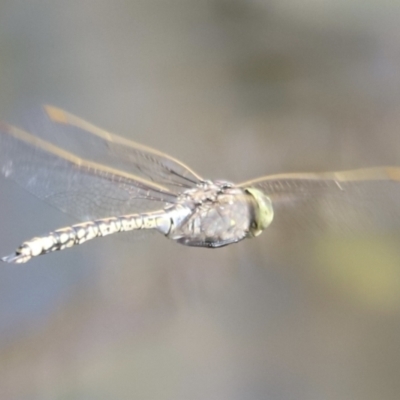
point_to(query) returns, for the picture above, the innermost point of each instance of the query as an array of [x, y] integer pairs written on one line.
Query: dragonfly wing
[[81, 188], [90, 142], [355, 200]]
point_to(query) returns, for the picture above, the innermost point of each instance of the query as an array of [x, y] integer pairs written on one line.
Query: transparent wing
[[82, 188], [358, 199], [90, 142]]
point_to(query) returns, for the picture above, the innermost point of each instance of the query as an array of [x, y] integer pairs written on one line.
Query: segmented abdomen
[[73, 235]]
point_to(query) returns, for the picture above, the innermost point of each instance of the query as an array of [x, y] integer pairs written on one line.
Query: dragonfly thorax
[[217, 213]]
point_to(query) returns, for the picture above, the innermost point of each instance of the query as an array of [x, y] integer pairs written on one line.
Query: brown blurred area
[[236, 89]]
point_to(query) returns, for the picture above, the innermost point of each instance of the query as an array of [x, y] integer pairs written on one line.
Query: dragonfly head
[[263, 211]]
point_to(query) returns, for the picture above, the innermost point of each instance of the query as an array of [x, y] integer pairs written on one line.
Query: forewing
[[90, 142], [349, 200], [81, 188]]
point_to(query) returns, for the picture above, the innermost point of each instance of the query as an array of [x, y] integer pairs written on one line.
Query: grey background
[[237, 89]]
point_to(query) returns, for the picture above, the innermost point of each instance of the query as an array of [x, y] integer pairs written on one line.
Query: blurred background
[[237, 89]]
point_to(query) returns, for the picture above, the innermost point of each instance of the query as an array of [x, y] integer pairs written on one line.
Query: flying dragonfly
[[116, 185]]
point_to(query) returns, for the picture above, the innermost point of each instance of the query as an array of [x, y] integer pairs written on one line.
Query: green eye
[[264, 212]]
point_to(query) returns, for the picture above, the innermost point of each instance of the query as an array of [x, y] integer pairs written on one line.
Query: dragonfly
[[111, 184]]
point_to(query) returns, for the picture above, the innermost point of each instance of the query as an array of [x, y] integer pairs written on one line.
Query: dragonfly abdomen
[[77, 234]]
